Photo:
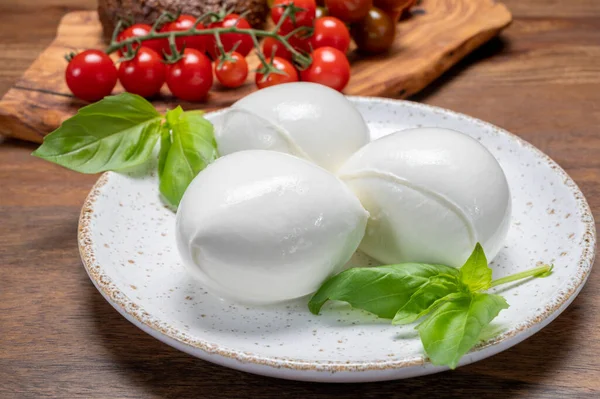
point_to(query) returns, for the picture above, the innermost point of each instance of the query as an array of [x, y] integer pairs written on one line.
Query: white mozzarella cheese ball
[[308, 120], [432, 194], [262, 226]]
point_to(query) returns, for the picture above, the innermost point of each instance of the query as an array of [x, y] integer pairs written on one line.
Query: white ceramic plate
[[127, 243]]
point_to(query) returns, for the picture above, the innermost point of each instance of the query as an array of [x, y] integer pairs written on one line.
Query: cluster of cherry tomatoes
[[327, 46], [92, 75], [188, 69], [372, 22]]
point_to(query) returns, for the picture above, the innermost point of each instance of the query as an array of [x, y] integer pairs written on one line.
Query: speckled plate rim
[[283, 367]]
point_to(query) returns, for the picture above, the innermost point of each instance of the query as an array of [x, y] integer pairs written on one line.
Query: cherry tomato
[[300, 43], [321, 12], [232, 73], [375, 33], [185, 22], [394, 8], [229, 40], [349, 10], [191, 77], [145, 74], [291, 75], [301, 18], [394, 5], [330, 31], [329, 67], [91, 75], [273, 48], [137, 30]]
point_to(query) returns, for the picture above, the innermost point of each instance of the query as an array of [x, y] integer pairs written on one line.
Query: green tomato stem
[[219, 44], [284, 16], [116, 31], [193, 31], [541, 271]]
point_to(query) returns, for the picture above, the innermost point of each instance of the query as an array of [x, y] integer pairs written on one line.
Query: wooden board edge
[[12, 101], [439, 65], [18, 97]]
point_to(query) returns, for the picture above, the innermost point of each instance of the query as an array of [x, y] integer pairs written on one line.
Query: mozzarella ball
[[432, 194], [261, 227], [308, 120]]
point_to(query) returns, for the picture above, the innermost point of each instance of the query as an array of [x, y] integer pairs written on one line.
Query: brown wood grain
[[439, 34], [60, 339]]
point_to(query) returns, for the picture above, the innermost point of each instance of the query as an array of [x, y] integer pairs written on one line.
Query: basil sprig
[[121, 131], [115, 133], [455, 309], [188, 145]]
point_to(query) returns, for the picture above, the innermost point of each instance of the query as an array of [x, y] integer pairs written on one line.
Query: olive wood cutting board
[[437, 35]]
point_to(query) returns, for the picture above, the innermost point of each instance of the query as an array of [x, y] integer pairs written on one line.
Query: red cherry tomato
[[91, 75], [329, 67], [301, 18], [300, 43], [349, 10], [185, 22], [291, 75], [330, 31], [232, 73], [137, 30], [145, 74], [273, 48], [191, 77], [229, 40]]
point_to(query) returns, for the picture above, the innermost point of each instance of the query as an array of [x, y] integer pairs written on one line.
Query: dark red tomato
[[301, 18], [291, 75], [375, 33], [349, 10], [394, 5], [185, 22], [329, 67], [232, 73], [91, 75], [229, 40], [394, 8], [145, 74], [330, 32], [273, 48], [138, 30], [191, 77]]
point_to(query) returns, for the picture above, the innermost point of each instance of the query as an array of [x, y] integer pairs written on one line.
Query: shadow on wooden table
[[161, 371], [494, 47]]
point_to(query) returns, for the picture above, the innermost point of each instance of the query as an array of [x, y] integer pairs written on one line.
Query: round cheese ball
[[262, 227], [308, 120], [432, 194]]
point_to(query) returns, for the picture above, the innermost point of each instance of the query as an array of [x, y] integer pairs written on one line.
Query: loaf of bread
[[147, 11]]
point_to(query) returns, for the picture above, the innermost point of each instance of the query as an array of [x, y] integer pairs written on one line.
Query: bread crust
[[146, 11]]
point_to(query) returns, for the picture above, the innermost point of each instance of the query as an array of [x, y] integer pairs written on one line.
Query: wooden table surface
[[60, 338]]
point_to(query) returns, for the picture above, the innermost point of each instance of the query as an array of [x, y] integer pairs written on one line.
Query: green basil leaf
[[455, 326], [475, 273], [115, 133], [187, 147], [165, 147], [428, 297], [450, 297], [380, 290]]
